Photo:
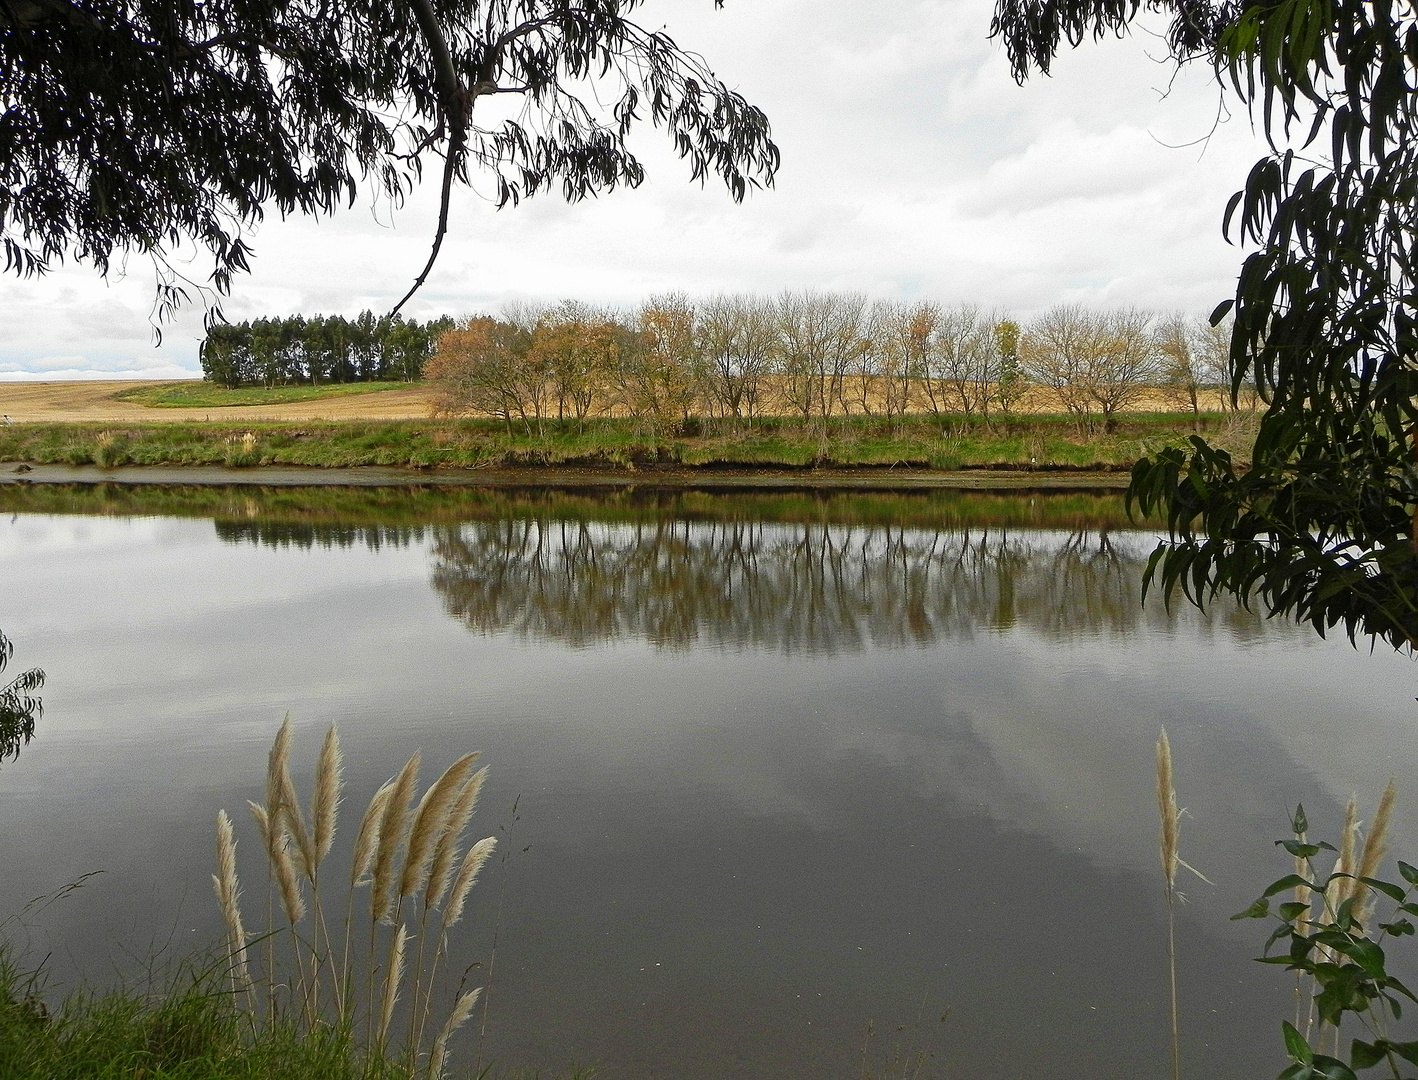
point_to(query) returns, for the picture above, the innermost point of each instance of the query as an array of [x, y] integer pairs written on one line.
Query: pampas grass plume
[[404, 844], [1375, 848], [329, 782], [277, 766], [282, 866], [391, 983], [456, 1019], [367, 839], [467, 874], [1167, 810], [281, 801], [1344, 886], [229, 895], [430, 821], [1376, 843], [445, 852], [391, 838]]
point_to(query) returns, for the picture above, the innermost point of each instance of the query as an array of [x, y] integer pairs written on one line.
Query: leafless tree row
[[816, 355]]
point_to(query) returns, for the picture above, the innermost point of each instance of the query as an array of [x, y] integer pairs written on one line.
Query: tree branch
[[457, 105]]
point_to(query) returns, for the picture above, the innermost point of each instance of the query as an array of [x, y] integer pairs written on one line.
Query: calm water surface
[[782, 768]]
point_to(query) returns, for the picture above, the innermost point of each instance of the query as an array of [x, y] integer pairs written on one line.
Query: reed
[[1170, 825], [402, 851]]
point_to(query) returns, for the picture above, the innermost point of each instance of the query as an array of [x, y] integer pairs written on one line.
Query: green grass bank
[[1032, 442], [205, 395]]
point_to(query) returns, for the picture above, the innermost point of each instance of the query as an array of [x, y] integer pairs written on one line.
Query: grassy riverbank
[[1037, 442]]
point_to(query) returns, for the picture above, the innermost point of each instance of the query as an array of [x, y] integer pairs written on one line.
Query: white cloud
[[912, 165]]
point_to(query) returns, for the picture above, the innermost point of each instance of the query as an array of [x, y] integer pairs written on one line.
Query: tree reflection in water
[[19, 708], [798, 587], [789, 573]]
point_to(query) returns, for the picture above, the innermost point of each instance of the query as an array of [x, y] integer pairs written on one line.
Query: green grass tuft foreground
[[204, 395], [191, 1032], [1032, 442]]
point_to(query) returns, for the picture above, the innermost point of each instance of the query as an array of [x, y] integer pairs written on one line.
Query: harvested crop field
[[99, 402], [78, 402]]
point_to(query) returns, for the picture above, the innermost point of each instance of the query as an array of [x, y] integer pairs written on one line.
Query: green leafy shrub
[[1331, 934]]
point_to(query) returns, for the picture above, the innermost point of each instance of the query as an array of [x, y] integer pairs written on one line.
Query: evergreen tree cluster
[[321, 349]]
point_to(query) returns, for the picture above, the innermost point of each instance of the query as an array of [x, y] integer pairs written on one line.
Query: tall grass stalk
[[1171, 819], [403, 852], [1169, 848]]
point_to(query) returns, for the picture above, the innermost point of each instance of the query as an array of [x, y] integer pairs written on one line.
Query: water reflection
[[285, 534], [728, 858], [797, 572], [19, 708], [797, 588]]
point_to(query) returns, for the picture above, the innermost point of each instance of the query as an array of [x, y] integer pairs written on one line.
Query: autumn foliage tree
[[480, 367]]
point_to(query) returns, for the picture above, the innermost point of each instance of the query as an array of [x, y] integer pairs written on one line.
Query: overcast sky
[[913, 166]]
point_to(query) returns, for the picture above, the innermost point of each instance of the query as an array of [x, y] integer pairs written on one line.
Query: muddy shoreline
[[675, 478]]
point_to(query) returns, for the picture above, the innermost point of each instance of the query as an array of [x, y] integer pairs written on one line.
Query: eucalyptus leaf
[[1362, 1054], [1295, 1044]]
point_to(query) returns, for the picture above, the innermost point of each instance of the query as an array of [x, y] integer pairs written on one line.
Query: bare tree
[[656, 378], [737, 340], [1182, 378], [818, 334], [868, 362], [843, 316], [799, 347], [1123, 363], [1213, 347], [1055, 350], [1093, 361], [910, 340], [965, 361]]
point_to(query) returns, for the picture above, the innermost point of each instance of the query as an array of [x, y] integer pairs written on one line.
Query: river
[[784, 767]]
